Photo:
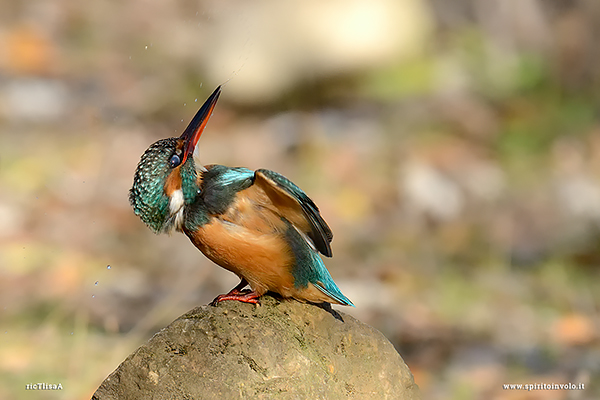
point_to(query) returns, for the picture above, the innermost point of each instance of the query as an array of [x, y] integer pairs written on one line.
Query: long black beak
[[194, 129]]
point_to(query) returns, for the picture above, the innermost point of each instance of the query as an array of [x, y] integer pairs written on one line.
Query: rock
[[281, 349]]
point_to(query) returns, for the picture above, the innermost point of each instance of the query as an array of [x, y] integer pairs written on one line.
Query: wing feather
[[296, 207]]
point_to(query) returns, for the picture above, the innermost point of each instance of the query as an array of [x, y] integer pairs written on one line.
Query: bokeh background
[[453, 147]]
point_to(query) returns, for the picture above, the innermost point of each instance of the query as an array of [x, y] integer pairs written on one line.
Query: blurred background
[[452, 146]]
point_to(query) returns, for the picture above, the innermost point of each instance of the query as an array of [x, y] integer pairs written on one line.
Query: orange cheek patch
[[173, 182]]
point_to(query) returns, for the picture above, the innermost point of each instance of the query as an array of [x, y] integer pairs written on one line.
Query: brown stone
[[282, 349]]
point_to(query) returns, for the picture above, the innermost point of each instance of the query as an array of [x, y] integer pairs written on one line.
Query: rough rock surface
[[281, 349]]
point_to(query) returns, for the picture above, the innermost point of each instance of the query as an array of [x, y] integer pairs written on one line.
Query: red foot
[[245, 296]]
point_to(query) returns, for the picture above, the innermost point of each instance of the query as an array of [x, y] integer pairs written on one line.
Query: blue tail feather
[[328, 286], [310, 268]]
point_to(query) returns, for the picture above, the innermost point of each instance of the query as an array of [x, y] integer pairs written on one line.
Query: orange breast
[[262, 258]]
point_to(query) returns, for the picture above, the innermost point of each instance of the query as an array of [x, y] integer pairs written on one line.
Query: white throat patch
[[176, 208]]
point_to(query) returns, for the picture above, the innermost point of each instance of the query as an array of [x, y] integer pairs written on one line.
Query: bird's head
[[166, 177]]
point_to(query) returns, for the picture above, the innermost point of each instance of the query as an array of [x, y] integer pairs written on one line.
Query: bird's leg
[[238, 289], [245, 296]]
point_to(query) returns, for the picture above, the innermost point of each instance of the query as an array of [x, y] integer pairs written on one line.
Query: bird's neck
[[182, 188]]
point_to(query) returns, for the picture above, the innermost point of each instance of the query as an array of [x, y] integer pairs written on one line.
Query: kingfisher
[[257, 224]]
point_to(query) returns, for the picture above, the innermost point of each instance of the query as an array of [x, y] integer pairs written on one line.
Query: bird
[[257, 224]]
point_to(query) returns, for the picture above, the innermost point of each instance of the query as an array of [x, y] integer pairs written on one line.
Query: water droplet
[[181, 119], [195, 101], [184, 104], [108, 267], [200, 84], [96, 283], [146, 47], [93, 296], [71, 333]]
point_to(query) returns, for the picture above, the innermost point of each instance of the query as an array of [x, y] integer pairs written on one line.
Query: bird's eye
[[174, 161]]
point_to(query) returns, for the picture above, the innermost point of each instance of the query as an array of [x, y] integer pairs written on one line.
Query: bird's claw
[[245, 296]]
